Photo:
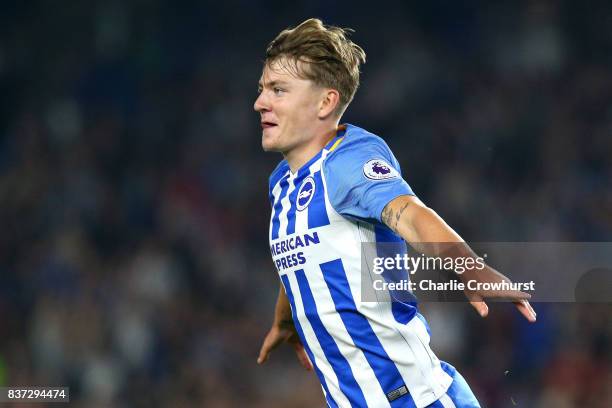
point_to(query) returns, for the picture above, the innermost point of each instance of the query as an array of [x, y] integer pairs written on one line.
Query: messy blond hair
[[329, 58]]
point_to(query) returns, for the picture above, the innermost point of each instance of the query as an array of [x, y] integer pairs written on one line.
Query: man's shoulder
[[357, 136], [357, 144], [280, 170]]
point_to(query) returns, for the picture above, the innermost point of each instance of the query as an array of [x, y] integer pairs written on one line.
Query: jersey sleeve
[[363, 177]]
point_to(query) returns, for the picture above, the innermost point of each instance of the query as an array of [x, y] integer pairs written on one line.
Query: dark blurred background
[[134, 265]]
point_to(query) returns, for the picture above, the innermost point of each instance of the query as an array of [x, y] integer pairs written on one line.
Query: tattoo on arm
[[391, 218], [387, 216]]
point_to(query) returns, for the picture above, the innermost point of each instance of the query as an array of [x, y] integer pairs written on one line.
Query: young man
[[339, 186]]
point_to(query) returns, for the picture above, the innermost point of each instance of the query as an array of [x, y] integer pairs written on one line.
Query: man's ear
[[329, 103]]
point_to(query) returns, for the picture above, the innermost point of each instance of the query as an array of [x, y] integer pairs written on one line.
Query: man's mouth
[[266, 125]]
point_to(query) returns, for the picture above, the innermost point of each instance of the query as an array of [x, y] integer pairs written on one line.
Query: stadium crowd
[[133, 190]]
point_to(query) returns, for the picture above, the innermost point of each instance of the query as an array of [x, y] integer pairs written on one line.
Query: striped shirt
[[366, 354]]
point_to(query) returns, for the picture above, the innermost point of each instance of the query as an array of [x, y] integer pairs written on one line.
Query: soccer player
[[337, 187]]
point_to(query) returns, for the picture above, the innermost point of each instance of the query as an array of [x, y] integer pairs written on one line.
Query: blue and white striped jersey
[[366, 354]]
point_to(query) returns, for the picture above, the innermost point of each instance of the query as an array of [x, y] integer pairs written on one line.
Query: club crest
[[305, 193]]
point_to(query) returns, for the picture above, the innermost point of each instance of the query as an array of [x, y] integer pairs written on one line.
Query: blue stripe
[[362, 334], [346, 378], [317, 213], [278, 207], [298, 327], [459, 390], [293, 206], [385, 234], [388, 245]]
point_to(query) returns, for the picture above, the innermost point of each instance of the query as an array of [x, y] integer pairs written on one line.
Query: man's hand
[[429, 234], [284, 333], [490, 275]]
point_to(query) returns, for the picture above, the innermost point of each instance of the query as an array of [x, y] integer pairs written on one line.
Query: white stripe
[[314, 167], [447, 402], [286, 205], [326, 309], [368, 277], [441, 379], [301, 219], [320, 360], [415, 361], [367, 232]]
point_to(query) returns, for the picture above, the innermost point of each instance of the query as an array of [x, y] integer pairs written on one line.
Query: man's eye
[[278, 91]]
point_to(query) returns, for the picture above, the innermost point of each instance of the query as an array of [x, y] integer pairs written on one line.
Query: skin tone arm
[[283, 331], [423, 228]]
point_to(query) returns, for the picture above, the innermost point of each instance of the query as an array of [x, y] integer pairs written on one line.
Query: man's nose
[[261, 103]]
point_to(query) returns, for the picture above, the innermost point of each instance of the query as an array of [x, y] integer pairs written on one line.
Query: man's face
[[288, 106]]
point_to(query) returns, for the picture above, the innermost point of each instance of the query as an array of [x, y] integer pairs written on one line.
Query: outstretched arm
[[429, 234], [283, 331]]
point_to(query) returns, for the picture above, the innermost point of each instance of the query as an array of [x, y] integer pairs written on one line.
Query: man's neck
[[299, 156]]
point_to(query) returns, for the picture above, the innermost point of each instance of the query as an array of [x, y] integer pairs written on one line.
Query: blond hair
[[329, 58]]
